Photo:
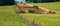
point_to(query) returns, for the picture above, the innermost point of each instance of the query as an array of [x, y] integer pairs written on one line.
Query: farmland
[[47, 19], [8, 17], [51, 6]]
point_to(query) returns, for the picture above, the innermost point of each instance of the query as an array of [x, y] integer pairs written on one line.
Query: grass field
[[47, 19], [8, 17], [52, 6]]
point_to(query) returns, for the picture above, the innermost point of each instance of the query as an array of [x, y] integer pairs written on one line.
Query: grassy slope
[[52, 6], [8, 17], [47, 19]]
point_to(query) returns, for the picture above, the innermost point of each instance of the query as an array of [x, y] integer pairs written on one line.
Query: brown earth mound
[[28, 8]]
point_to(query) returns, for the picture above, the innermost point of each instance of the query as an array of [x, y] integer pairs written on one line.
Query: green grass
[[8, 17], [47, 19], [52, 6]]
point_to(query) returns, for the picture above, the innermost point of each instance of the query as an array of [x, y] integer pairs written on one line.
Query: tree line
[[12, 2], [39, 1], [7, 2]]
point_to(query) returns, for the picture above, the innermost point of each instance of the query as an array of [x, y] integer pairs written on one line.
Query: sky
[[20, 0]]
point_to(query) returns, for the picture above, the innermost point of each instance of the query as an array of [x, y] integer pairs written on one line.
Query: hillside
[[8, 17]]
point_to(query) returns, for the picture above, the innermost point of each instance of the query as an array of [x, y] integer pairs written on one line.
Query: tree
[[1, 2], [36, 1], [7, 2]]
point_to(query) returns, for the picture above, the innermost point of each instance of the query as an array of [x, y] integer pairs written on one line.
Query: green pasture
[[51, 6], [8, 17], [47, 19]]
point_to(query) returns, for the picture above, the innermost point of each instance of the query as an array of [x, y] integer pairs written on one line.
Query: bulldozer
[[28, 8]]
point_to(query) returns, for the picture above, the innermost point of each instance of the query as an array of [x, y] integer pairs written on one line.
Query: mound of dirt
[[28, 8]]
